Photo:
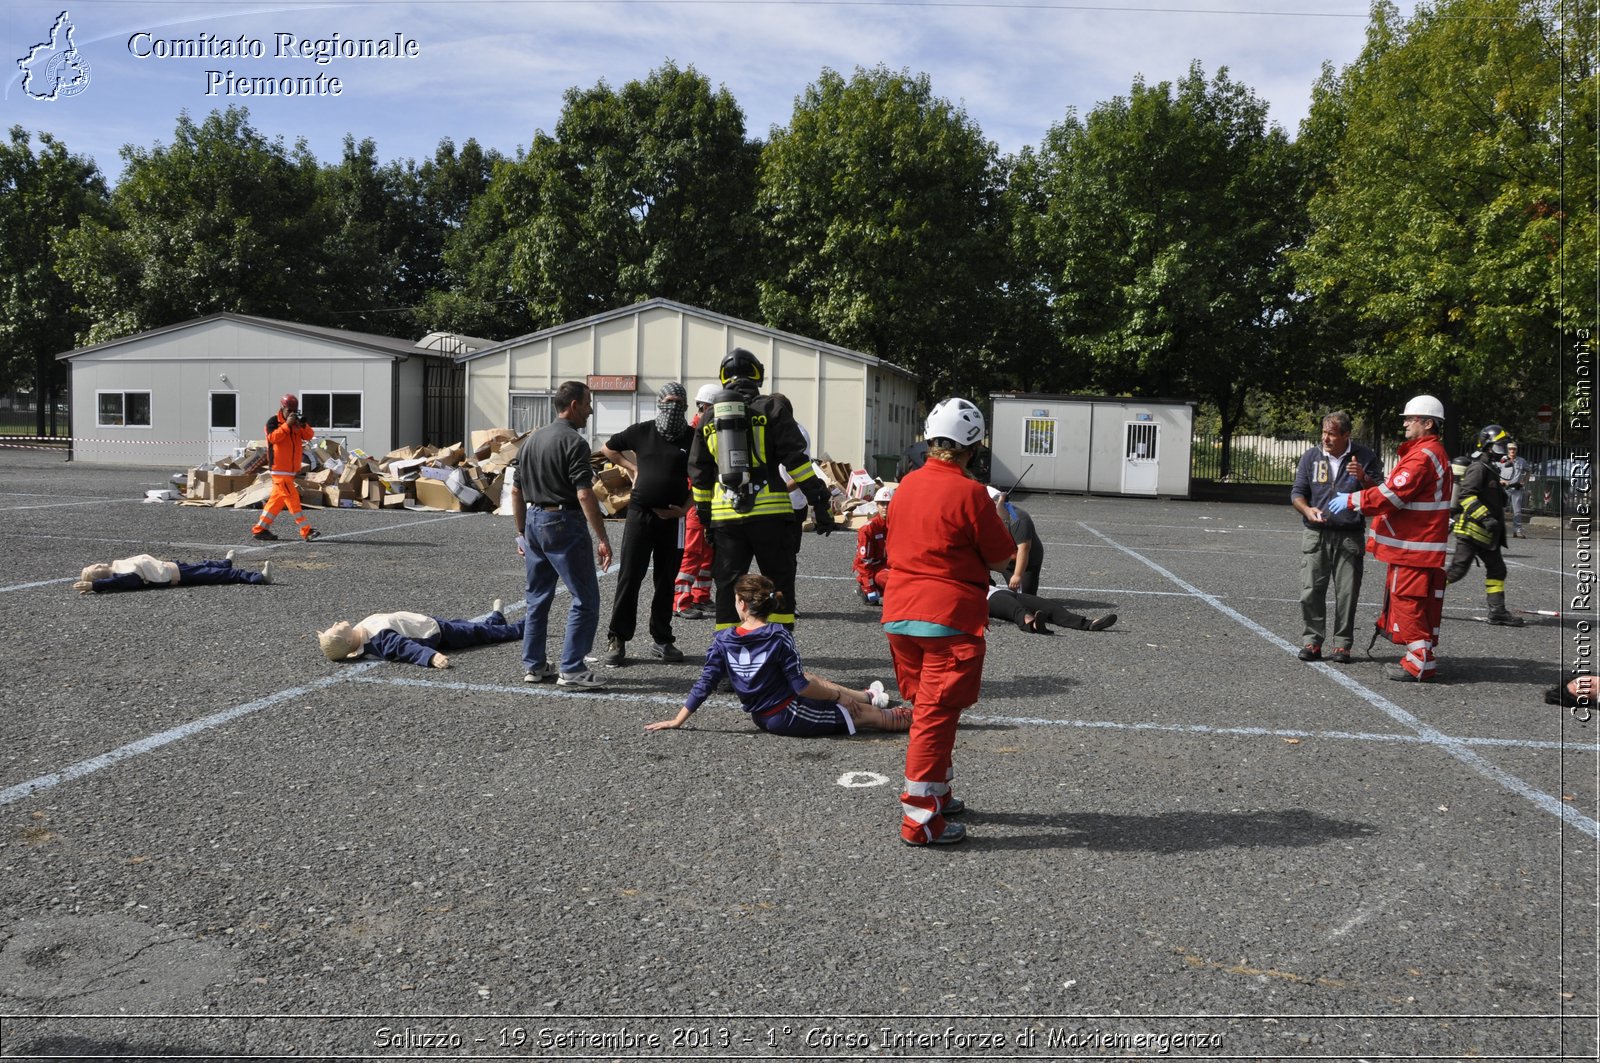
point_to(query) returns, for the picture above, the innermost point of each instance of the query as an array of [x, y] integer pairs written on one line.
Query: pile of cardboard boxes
[[427, 477], [446, 478]]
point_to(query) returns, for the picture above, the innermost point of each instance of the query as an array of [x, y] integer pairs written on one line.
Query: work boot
[[264, 534], [1499, 614], [616, 651]]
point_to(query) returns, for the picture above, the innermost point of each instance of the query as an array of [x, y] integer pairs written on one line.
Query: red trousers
[[1413, 607], [285, 495], [939, 677], [693, 583]]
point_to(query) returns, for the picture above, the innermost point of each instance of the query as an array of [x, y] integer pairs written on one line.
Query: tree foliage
[[640, 193], [1161, 226], [883, 226], [1439, 221], [40, 193], [220, 219]]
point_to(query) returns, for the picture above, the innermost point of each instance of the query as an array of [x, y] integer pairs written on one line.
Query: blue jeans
[[559, 548]]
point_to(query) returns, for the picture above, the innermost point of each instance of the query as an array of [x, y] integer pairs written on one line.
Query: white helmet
[[884, 494], [957, 420], [1424, 406], [708, 393]]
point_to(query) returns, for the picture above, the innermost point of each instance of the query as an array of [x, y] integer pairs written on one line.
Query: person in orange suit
[[287, 435]]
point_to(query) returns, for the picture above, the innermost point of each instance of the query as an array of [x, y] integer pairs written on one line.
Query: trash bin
[[884, 465]]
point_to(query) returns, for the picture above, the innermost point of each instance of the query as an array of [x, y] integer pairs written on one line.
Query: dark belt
[[556, 507]]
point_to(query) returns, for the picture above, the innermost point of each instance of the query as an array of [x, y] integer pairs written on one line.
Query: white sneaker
[[879, 696], [498, 607], [580, 680], [266, 572], [543, 673], [228, 556]]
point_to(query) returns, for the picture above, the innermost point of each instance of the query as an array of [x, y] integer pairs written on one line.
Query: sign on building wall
[[597, 382]]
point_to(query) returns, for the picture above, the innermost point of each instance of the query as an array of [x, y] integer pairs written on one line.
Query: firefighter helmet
[[740, 364], [956, 420], [1493, 438]]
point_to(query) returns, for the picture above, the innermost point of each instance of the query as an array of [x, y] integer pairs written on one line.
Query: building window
[[328, 410], [1039, 437], [122, 408], [225, 411], [531, 410]]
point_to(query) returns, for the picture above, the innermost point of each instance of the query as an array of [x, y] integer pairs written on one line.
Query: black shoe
[[311, 533], [1312, 652], [1506, 619], [666, 651], [953, 807], [1103, 623], [616, 651], [266, 535], [953, 833], [1341, 655]]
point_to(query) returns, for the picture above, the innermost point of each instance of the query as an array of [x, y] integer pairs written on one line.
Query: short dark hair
[[568, 393]]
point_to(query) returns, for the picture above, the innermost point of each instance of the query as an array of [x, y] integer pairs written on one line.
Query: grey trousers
[[1333, 555]]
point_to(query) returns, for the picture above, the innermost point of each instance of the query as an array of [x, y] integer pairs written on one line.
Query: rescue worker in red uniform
[[1409, 531], [287, 435], [872, 550], [692, 589], [945, 537]]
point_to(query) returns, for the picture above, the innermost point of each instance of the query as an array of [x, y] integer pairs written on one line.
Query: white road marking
[[1456, 747]]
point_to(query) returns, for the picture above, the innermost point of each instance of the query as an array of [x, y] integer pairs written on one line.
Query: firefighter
[[287, 435], [1409, 531], [739, 493], [1480, 526]]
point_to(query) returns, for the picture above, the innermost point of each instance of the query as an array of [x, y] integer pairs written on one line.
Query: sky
[[495, 70]]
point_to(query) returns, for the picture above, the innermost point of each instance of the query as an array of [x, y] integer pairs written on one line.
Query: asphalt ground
[[1185, 843]]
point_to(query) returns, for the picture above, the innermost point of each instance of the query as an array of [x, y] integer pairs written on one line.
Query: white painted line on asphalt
[[12, 794], [1536, 568], [1275, 732], [90, 502], [1451, 745], [41, 583]]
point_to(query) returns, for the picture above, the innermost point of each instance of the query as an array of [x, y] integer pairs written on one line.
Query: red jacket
[[944, 535], [872, 553], [1410, 512]]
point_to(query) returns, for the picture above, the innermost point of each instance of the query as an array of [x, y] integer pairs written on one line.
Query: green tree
[[1439, 221], [220, 219], [40, 192], [1162, 225], [884, 228], [641, 192]]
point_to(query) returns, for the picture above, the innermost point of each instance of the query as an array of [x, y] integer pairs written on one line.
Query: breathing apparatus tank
[[735, 470]]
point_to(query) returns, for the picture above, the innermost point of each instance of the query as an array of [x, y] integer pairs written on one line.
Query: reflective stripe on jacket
[[1410, 511]]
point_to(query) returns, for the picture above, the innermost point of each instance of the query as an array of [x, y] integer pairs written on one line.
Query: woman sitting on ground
[[1031, 613], [761, 663]]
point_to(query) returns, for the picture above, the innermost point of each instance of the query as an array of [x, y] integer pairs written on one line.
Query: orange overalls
[[284, 445]]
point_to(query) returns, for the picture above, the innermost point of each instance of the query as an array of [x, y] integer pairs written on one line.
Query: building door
[[613, 411], [223, 436], [1141, 458]]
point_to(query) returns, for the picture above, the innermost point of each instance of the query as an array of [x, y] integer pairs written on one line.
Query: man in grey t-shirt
[[552, 500]]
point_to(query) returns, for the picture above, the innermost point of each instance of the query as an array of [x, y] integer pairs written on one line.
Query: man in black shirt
[[1022, 572], [654, 528]]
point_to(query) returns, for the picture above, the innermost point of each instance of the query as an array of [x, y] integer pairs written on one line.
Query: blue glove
[[1336, 505]]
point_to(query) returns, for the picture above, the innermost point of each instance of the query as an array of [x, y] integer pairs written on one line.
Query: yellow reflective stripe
[[781, 618], [701, 494]]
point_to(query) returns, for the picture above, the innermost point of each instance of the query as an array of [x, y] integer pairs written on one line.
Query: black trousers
[[768, 541], [648, 542], [1013, 606]]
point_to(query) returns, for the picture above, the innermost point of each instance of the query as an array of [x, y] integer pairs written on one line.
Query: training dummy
[[141, 571], [759, 660], [413, 637]]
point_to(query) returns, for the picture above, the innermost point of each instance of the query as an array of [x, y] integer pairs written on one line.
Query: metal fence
[[1560, 476]]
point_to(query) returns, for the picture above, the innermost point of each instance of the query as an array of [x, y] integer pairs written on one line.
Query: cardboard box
[[226, 483], [389, 501], [436, 494], [862, 484], [612, 489], [489, 441], [450, 457]]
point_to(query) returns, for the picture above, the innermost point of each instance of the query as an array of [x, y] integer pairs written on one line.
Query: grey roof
[[397, 349], [693, 311]]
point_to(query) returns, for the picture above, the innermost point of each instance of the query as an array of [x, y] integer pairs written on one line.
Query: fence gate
[[1140, 460]]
